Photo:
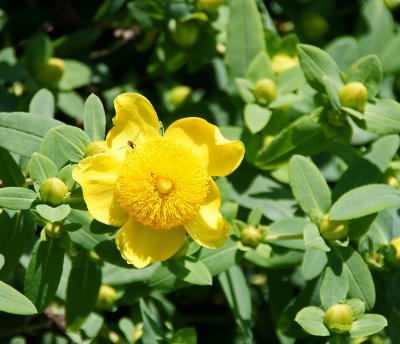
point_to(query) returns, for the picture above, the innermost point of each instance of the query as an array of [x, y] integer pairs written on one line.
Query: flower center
[[162, 184]]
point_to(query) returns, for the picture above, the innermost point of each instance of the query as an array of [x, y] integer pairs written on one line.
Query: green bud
[[53, 230], [281, 62], [53, 191], [178, 95], [339, 318], [393, 256], [335, 118], [50, 72], [354, 95], [251, 236], [94, 148], [265, 91], [333, 230], [185, 34], [106, 298], [314, 26]]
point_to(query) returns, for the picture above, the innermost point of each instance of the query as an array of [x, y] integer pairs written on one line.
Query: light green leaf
[[94, 118], [44, 273], [256, 117], [311, 320], [313, 263], [365, 200], [71, 103], [41, 168], [287, 228], [344, 50], [22, 132], [237, 293], [335, 284], [42, 103], [191, 271], [368, 324], [332, 91], [316, 65], [245, 37], [361, 285], [254, 217], [245, 88], [382, 117], [368, 71], [278, 257], [392, 48], [53, 214], [313, 239], [12, 301], [93, 325], [16, 198], [260, 68], [309, 187], [357, 306], [76, 75]]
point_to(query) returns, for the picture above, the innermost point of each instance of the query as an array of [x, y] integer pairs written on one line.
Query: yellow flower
[[155, 187]]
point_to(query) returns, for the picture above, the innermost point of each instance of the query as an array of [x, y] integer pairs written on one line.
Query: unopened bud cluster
[[53, 191], [333, 230]]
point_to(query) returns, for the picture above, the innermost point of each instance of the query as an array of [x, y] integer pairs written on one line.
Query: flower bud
[[54, 230], [53, 191], [339, 318], [185, 34], [251, 236], [354, 95], [178, 95], [333, 230], [106, 298], [393, 182], [281, 62], [314, 26], [209, 5], [94, 148], [50, 72], [265, 91], [393, 257]]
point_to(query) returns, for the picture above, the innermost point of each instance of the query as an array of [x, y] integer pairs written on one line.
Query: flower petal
[[221, 156], [97, 176], [209, 228], [135, 120], [141, 245]]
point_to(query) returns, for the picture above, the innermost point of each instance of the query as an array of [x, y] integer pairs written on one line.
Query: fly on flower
[[161, 189]]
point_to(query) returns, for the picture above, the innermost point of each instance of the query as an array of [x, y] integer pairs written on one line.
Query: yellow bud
[[50, 72], [314, 26], [179, 95], [251, 236], [393, 182], [333, 230], [339, 318], [209, 5], [393, 257], [354, 95], [106, 298], [94, 257], [281, 62], [53, 191], [185, 34], [392, 4], [94, 148], [265, 91], [53, 230]]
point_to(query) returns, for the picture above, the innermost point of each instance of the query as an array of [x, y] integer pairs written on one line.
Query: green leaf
[[365, 200], [184, 336], [12, 301], [41, 168], [382, 117], [64, 143], [82, 290], [191, 271], [344, 50], [16, 235], [71, 103], [245, 88], [391, 65], [309, 187], [94, 118], [92, 325], [53, 214], [335, 284], [22, 132], [245, 37], [333, 92], [313, 239], [311, 319], [237, 293], [152, 332], [256, 117], [107, 251], [370, 167], [313, 263], [38, 50], [76, 75], [254, 217], [368, 324], [368, 71], [16, 198], [44, 273], [10, 172], [287, 227], [361, 285], [357, 306], [42, 103], [260, 68], [316, 65], [278, 257]]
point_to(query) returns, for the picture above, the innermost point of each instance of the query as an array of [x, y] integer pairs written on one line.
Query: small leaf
[[94, 118], [309, 187], [42, 103], [256, 117], [313, 263], [313, 239], [76, 75], [191, 271], [333, 92], [245, 88], [368, 324], [41, 168], [382, 117], [184, 336], [16, 198], [12, 301], [72, 104], [56, 214], [10, 172], [311, 320], [365, 200], [254, 217], [260, 68], [357, 306], [335, 284]]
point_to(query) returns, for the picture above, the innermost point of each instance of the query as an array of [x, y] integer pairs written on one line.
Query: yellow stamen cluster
[[162, 184]]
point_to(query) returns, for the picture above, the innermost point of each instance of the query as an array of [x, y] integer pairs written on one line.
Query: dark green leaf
[[184, 336], [10, 172]]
